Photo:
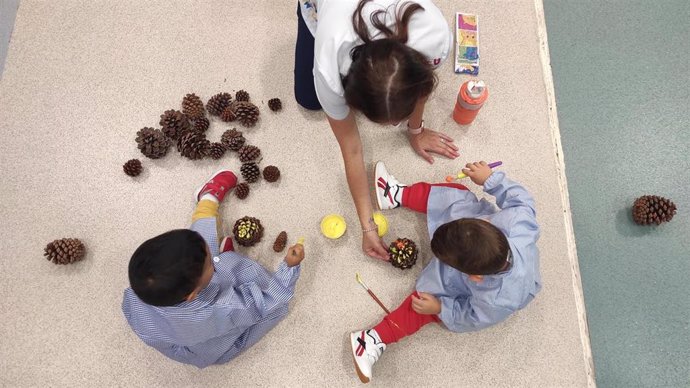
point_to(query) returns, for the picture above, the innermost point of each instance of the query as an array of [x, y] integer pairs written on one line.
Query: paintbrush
[[371, 293]]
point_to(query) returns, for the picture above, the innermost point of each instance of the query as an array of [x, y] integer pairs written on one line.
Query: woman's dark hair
[[472, 246], [387, 78], [164, 270]]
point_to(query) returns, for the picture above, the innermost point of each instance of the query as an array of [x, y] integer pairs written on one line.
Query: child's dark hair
[[472, 246], [387, 78], [164, 270]]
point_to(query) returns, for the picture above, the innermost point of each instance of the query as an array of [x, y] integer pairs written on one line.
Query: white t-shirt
[[330, 21]]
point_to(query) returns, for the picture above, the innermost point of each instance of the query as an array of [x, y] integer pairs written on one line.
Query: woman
[[376, 57]]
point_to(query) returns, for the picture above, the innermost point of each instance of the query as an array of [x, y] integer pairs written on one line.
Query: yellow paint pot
[[333, 226]]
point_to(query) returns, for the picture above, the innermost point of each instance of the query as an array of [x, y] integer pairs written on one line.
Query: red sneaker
[[220, 183], [226, 245]]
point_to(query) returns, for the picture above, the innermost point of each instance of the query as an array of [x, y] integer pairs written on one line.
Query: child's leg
[[207, 208], [305, 92], [416, 197], [402, 322]]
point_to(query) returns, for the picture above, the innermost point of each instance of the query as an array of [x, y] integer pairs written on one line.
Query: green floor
[[621, 71]]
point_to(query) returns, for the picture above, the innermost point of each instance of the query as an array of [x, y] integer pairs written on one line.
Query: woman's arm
[[347, 134], [428, 140]]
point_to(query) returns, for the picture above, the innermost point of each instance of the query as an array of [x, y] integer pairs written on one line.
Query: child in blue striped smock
[[200, 303]]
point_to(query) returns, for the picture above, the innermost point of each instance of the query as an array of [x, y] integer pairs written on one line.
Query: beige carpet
[[83, 76]]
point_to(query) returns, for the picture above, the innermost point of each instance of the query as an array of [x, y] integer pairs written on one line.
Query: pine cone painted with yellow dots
[[250, 172], [193, 145], [275, 104], [247, 113], [232, 139], [193, 107], [248, 231], [242, 190], [652, 209], [271, 173], [201, 124], [65, 251], [216, 150], [403, 253], [218, 103], [174, 123], [132, 167], [152, 143], [280, 242], [249, 153], [241, 95]]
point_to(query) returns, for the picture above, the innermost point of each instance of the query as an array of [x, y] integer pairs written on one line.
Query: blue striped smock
[[240, 305]]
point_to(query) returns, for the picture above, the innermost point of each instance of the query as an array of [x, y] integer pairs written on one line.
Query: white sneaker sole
[[198, 191]]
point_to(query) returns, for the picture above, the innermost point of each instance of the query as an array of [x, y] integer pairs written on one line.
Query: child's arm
[[507, 192], [260, 299]]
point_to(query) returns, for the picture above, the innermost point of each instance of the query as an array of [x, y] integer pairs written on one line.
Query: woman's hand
[[373, 246], [436, 142]]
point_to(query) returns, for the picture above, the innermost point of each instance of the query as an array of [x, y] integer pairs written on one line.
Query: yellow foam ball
[[381, 221]]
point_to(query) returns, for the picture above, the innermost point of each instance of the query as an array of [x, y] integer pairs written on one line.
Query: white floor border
[[565, 198]]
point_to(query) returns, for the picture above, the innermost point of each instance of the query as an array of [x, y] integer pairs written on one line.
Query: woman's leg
[[305, 93], [416, 197], [402, 322]]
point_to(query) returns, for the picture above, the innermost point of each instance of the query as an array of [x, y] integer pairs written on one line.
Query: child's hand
[[479, 172], [295, 255], [426, 304]]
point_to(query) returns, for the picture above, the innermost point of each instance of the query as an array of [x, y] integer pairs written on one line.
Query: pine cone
[[218, 103], [652, 209], [228, 115], [247, 113], [216, 151], [248, 231], [281, 241], [233, 139], [174, 123], [132, 167], [275, 104], [201, 124], [152, 142], [250, 172], [242, 190], [271, 173], [249, 153], [403, 253], [65, 251], [192, 106], [242, 95], [193, 145]]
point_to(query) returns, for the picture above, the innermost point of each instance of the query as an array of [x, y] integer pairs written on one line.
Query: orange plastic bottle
[[470, 100]]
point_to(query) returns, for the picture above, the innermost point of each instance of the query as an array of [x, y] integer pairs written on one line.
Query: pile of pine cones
[[186, 128]]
